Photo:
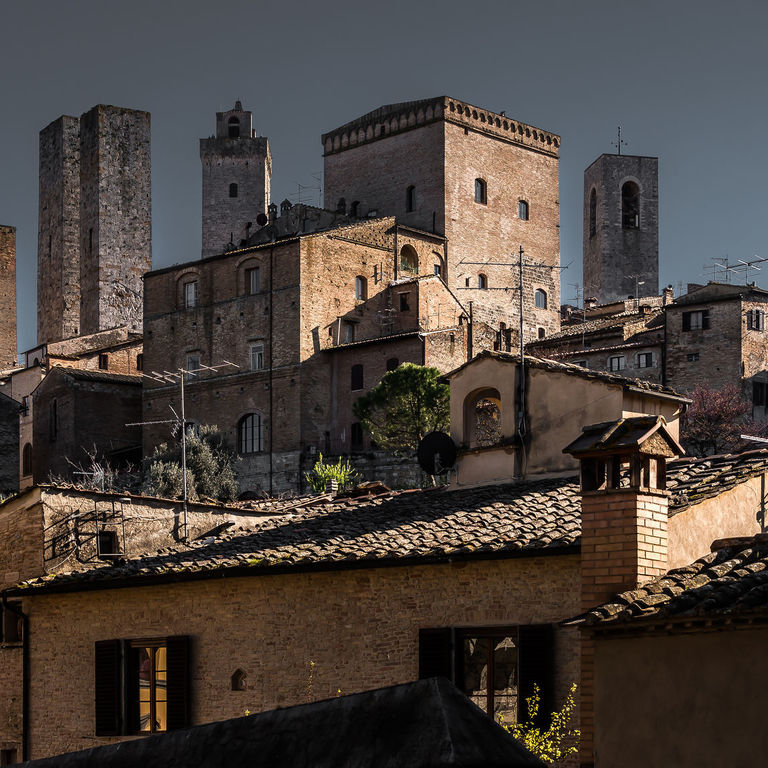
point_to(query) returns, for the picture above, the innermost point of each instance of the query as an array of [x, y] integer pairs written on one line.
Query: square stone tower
[[95, 222], [485, 181], [237, 170], [621, 227], [7, 296]]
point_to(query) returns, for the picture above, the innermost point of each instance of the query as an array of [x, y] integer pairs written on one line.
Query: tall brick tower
[[237, 170], [487, 182], [621, 227], [95, 224], [7, 296]]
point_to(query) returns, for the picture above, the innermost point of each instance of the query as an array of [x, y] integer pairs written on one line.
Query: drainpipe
[[24, 676], [470, 330]]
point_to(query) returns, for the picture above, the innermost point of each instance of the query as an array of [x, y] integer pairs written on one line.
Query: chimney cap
[[632, 435]]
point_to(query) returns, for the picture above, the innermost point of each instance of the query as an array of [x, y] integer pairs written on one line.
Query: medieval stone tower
[[95, 222], [621, 227], [8, 296], [487, 183], [237, 169]]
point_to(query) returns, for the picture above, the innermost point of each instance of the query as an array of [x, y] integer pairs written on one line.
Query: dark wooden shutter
[[686, 321], [178, 682], [537, 665], [107, 688], [705, 320], [436, 653]]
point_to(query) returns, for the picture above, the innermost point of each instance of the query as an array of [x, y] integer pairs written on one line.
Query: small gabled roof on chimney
[[640, 434]]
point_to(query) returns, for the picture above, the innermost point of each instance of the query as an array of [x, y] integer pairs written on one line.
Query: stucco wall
[[682, 700]]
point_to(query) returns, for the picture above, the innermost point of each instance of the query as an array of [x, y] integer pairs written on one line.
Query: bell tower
[[237, 169]]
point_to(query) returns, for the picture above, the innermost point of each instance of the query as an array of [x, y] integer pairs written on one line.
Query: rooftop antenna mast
[[619, 142], [180, 375], [724, 267]]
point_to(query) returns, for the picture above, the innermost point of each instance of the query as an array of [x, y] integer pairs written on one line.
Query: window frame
[[410, 199], [630, 205], [482, 281], [190, 293], [645, 360], [701, 316], [756, 320], [252, 280], [356, 377], [540, 299], [252, 440], [256, 349], [233, 189], [103, 361], [26, 460], [523, 210], [361, 288], [621, 363]]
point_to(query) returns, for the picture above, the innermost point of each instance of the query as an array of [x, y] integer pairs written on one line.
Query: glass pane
[[475, 682], [144, 716], [161, 716], [505, 680]]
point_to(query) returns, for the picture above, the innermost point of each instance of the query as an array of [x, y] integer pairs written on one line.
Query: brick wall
[[8, 344], [359, 627]]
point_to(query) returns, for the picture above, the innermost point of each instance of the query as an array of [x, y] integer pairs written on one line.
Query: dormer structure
[[237, 170]]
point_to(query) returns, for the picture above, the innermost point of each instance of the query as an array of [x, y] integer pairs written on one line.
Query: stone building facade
[[302, 325], [621, 228], [8, 342], [488, 183], [237, 169], [95, 223]]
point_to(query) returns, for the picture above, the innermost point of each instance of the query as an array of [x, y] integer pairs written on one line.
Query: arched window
[[409, 259], [410, 198], [353, 209], [239, 680], [540, 299], [542, 333], [481, 191], [233, 128], [361, 288], [482, 418], [250, 434], [233, 190], [341, 206], [26, 460], [630, 205], [593, 212], [522, 210], [482, 282]]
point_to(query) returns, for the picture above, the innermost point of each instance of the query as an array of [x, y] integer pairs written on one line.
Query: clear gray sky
[[686, 80]]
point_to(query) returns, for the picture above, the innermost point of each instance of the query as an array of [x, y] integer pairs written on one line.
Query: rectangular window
[[257, 356], [348, 332], [759, 390], [438, 271], [405, 304], [692, 357], [190, 294], [356, 377], [356, 436], [12, 627], [696, 321], [140, 362], [141, 686], [582, 363], [616, 363], [193, 364], [495, 667], [107, 544], [252, 281], [645, 360], [756, 320], [53, 420], [103, 361]]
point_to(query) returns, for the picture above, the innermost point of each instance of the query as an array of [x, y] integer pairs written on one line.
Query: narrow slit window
[[481, 192]]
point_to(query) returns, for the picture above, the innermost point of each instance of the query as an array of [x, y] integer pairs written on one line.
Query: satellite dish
[[261, 219], [436, 453]]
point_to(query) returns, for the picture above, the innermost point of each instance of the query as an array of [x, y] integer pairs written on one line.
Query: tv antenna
[[619, 142], [723, 269], [179, 376]]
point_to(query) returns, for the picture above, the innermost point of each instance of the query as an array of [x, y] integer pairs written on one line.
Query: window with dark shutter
[[107, 693], [436, 653], [537, 667], [178, 682]]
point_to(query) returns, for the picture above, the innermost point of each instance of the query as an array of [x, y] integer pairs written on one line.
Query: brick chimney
[[624, 504]]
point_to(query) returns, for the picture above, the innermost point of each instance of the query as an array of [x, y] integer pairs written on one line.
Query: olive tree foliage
[[715, 420], [407, 404], [211, 464]]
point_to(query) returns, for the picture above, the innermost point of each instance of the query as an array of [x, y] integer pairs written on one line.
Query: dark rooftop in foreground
[[531, 518], [425, 724], [729, 583]]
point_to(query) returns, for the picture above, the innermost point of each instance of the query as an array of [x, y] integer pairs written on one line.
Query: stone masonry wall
[[8, 343], [115, 216], [58, 247], [359, 627]]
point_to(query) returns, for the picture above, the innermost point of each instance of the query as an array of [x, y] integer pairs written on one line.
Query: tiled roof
[[534, 518], [601, 324], [557, 366], [103, 376], [731, 581]]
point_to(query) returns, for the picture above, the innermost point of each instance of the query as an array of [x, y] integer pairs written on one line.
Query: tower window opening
[[593, 213], [410, 198], [233, 128], [481, 191], [540, 299], [630, 205], [523, 212], [233, 190], [482, 282]]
